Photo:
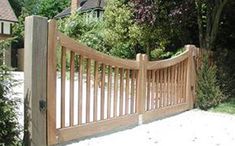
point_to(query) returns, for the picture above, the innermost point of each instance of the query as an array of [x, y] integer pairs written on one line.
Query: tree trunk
[[208, 30]]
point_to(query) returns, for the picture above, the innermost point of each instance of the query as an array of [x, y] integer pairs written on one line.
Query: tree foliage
[[9, 126], [209, 16], [208, 90], [50, 8]]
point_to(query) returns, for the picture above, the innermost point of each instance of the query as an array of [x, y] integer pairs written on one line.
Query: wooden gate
[[88, 92]]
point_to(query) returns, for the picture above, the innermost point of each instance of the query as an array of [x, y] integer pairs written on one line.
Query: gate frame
[[40, 84]]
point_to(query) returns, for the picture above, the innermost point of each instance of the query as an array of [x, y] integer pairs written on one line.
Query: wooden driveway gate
[[74, 92]]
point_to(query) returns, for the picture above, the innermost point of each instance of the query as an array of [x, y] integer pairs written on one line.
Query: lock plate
[[42, 105]]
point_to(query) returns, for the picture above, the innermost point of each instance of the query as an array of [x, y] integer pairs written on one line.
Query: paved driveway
[[191, 128]]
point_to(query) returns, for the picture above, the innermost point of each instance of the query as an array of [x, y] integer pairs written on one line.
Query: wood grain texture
[[141, 83], [102, 96], [121, 91], [157, 90], [80, 89], [148, 90], [90, 129], [132, 91], [95, 55], [72, 54], [63, 81], [51, 84], [168, 62], [115, 91], [153, 94], [96, 81], [88, 90], [109, 92], [35, 87], [127, 92]]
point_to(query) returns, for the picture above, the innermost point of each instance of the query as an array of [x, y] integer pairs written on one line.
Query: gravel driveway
[[191, 128]]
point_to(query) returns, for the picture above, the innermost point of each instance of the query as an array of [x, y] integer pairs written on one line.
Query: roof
[[6, 12], [88, 5], [64, 13], [92, 4]]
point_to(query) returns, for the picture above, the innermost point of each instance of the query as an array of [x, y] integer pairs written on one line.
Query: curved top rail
[[152, 65], [88, 52]]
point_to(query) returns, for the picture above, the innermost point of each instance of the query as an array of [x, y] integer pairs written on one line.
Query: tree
[[208, 90], [49, 8], [209, 16], [17, 6], [135, 27], [9, 125], [118, 23]]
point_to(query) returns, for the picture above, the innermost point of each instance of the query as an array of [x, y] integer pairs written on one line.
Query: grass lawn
[[226, 107]]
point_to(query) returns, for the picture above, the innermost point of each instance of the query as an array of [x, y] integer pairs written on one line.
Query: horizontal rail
[[95, 55], [154, 65], [76, 132], [164, 112]]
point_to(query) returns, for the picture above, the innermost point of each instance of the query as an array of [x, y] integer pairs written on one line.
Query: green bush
[[208, 90], [9, 126]]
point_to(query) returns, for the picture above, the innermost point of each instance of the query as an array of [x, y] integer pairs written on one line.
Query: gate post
[[141, 86], [35, 81], [191, 76]]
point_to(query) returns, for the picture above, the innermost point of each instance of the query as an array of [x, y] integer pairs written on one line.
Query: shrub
[[208, 91], [9, 126]]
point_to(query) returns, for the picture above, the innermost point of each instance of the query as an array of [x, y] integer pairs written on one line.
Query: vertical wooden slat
[[172, 84], [127, 91], [165, 87], [148, 90], [183, 74], [51, 84], [157, 90], [102, 98], [63, 80], [153, 90], [96, 80], [72, 88], [161, 87], [132, 90], [136, 75], [109, 92], [121, 92], [115, 91], [169, 86], [80, 90], [88, 90], [176, 84], [185, 78], [182, 81]]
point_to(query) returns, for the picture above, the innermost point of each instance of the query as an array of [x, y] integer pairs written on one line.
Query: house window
[[101, 15], [5, 27], [94, 14], [1, 27]]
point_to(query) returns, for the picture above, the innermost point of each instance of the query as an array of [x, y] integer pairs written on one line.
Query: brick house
[[92, 9], [7, 19]]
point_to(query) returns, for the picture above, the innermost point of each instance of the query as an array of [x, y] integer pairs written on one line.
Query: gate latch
[[42, 105]]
